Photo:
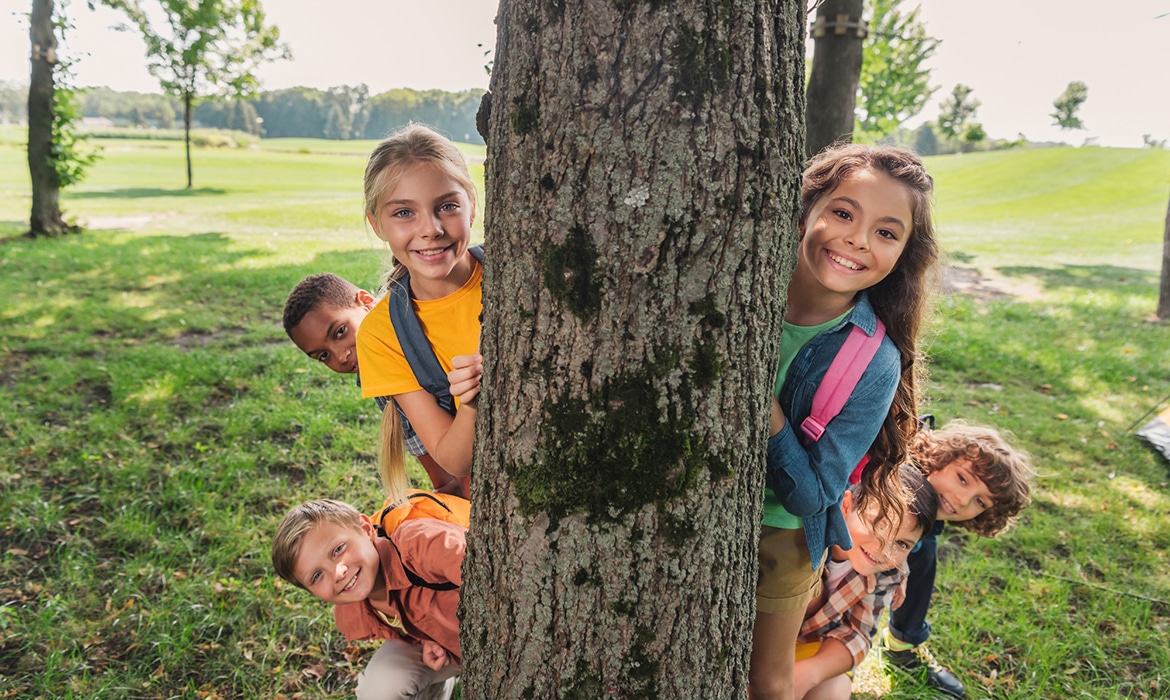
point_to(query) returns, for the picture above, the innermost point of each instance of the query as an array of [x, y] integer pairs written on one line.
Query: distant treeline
[[337, 113]]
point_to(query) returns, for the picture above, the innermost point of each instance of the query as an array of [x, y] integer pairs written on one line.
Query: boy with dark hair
[[321, 316], [857, 585], [983, 483], [403, 588]]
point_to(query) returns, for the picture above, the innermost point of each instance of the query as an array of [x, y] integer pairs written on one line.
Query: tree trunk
[[1164, 288], [836, 70], [643, 180], [45, 218], [187, 132]]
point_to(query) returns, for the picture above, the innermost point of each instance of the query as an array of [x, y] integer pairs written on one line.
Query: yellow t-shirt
[[450, 323]]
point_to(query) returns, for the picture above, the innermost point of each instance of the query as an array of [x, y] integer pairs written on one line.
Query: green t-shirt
[[793, 339]]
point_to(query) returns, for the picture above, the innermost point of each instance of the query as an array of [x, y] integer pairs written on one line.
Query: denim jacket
[[810, 481]]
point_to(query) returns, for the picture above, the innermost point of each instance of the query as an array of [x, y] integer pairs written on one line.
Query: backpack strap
[[838, 383], [417, 580], [415, 345], [379, 518]]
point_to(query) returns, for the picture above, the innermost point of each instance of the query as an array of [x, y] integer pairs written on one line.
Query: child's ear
[[364, 299], [368, 527], [374, 225], [847, 503]]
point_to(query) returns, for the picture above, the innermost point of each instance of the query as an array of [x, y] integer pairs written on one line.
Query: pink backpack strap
[[850, 363]]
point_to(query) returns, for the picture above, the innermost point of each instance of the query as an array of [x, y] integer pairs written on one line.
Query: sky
[[1017, 55]]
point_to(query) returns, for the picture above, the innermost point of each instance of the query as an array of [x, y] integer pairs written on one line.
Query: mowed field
[[155, 423]]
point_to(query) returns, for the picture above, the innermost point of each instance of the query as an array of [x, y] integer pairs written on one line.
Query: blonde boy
[[404, 589]]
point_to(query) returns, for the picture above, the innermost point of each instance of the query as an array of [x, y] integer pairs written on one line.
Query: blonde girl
[[421, 202]]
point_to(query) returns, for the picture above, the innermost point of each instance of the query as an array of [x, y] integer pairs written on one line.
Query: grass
[[155, 423]]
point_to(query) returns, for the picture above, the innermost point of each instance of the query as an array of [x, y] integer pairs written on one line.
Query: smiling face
[[338, 564], [868, 556], [962, 495], [426, 220], [854, 235], [328, 333]]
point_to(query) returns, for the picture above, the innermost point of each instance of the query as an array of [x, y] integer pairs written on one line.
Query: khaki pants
[[397, 672]]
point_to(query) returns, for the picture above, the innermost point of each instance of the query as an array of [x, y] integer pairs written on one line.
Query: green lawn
[[155, 423]]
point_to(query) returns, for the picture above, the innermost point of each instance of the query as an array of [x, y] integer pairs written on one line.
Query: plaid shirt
[[850, 612]]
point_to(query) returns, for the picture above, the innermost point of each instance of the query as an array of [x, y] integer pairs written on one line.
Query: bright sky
[[1017, 55]]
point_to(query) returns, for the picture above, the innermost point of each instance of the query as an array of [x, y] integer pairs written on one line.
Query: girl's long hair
[[900, 300], [413, 144], [392, 455]]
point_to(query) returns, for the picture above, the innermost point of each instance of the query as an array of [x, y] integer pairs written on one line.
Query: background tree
[[925, 142], [45, 218], [203, 47], [894, 85], [956, 115], [837, 34], [57, 154], [1068, 104], [1164, 288], [641, 209]]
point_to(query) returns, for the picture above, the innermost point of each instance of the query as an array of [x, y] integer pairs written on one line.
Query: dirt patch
[[992, 286]]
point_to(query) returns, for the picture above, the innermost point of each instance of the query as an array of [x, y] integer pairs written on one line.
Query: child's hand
[[465, 377], [434, 656], [776, 421]]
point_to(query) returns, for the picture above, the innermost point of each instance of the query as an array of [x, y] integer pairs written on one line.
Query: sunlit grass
[[155, 423]]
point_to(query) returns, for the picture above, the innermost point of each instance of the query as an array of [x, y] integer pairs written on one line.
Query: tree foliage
[[894, 84], [1068, 104], [957, 111], [203, 47]]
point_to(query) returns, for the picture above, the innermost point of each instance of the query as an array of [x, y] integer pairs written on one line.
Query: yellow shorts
[[807, 650], [787, 580]]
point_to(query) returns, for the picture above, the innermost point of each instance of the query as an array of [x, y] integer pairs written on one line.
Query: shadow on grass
[[1085, 276], [146, 192]]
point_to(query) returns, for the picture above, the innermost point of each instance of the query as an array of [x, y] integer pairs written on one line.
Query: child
[[858, 584], [321, 316], [866, 246], [421, 201], [982, 484], [403, 589]]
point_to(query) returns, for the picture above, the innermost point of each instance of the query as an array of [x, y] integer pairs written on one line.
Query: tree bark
[[836, 72], [1164, 287], [643, 180], [45, 218]]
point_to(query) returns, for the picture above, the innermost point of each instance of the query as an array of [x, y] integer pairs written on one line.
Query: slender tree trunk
[[45, 218], [642, 186], [1164, 288], [187, 132], [836, 72]]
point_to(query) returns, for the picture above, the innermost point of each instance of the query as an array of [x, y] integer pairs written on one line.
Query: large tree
[[837, 35], [642, 185], [201, 47], [45, 218], [894, 84]]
